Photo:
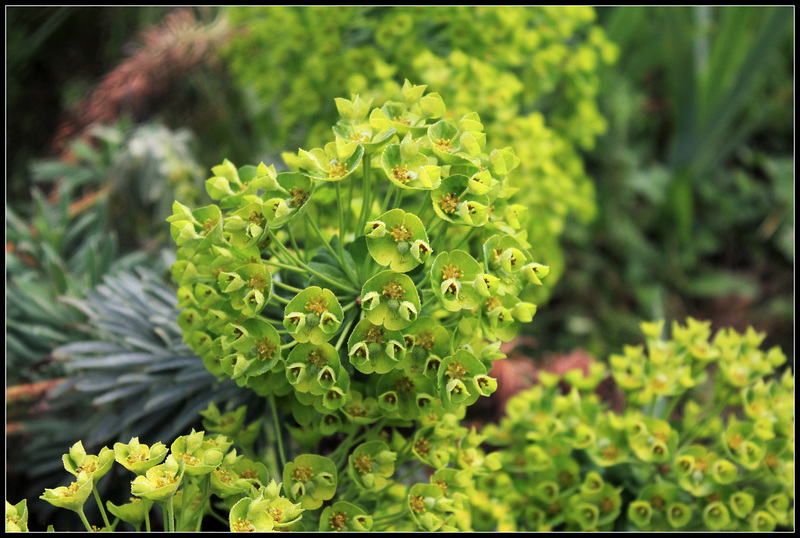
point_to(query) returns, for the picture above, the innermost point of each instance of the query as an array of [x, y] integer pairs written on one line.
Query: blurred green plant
[[531, 73], [63, 244], [694, 179]]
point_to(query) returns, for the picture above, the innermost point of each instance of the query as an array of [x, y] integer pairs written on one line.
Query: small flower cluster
[[705, 441], [181, 479]]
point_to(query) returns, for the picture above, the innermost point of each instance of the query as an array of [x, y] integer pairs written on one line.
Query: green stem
[[278, 435], [292, 239], [287, 287], [290, 345], [339, 258], [392, 192], [342, 229], [85, 521], [171, 512], [303, 268], [280, 299], [100, 505], [344, 332], [387, 520], [464, 238], [366, 201], [673, 403], [286, 266], [148, 505]]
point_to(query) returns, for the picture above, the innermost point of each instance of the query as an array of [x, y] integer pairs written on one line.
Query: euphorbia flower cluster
[[719, 458]]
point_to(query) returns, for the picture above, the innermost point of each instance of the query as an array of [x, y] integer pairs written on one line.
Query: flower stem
[[278, 435], [100, 505], [366, 201], [85, 521], [338, 257]]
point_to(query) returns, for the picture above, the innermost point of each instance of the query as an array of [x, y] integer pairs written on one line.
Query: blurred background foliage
[[657, 148]]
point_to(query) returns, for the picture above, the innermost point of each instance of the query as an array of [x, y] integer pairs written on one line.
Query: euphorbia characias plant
[[365, 293]]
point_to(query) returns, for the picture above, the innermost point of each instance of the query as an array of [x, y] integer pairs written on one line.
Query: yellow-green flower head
[[334, 162], [78, 461], [408, 168], [390, 299], [310, 480], [73, 496], [457, 144], [453, 275], [247, 287], [398, 240], [254, 344], [138, 457], [263, 513], [410, 115], [288, 198], [370, 465], [17, 516], [403, 395], [360, 410], [428, 506], [316, 369], [344, 516], [196, 231], [454, 201], [373, 348], [161, 482], [199, 454], [313, 315], [462, 380], [426, 341]]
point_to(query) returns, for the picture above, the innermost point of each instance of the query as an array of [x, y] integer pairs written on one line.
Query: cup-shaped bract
[[454, 202], [462, 380], [315, 369], [408, 168], [199, 454], [287, 199], [310, 480], [371, 464], [331, 163], [373, 348], [138, 457], [343, 516], [452, 275], [398, 240], [390, 299], [313, 315], [159, 483], [73, 496]]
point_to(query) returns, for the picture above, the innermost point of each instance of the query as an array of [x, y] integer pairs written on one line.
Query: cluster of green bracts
[[725, 462], [349, 306], [181, 479]]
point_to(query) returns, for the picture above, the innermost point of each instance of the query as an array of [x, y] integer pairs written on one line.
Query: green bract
[[77, 461], [390, 299], [313, 315], [159, 483], [310, 480], [138, 457], [398, 240], [17, 516], [71, 497]]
